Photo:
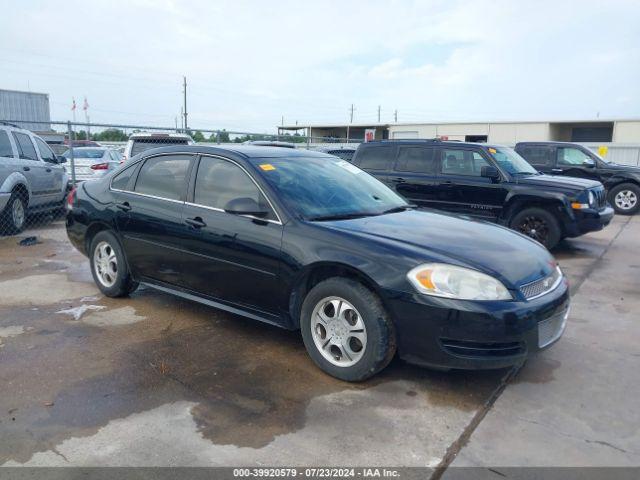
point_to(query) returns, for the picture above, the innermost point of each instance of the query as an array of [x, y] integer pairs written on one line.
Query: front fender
[[517, 197], [13, 180]]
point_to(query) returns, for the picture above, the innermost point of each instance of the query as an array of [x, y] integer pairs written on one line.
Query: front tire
[[538, 224], [109, 266], [14, 217], [346, 330], [625, 198]]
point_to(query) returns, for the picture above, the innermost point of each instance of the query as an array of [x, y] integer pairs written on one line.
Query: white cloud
[[249, 62]]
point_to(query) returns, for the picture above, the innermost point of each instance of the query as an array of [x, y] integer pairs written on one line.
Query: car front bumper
[[445, 333], [589, 221]]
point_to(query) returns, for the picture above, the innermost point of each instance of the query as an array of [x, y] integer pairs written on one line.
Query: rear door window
[[375, 158], [417, 160], [164, 176], [538, 156], [5, 145], [26, 150]]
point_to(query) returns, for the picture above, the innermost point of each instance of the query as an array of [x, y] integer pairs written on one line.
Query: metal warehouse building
[[29, 107], [584, 131]]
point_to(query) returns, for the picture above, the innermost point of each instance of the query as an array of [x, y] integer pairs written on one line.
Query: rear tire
[[539, 224], [625, 198], [14, 217], [357, 332], [109, 266]]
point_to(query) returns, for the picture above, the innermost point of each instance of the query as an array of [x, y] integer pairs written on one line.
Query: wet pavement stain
[[538, 369], [249, 382]]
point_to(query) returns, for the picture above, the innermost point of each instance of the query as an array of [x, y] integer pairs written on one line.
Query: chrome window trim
[[277, 222], [147, 195]]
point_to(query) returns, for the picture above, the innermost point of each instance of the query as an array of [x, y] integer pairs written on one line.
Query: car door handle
[[398, 180], [557, 170], [124, 206], [195, 222], [26, 169]]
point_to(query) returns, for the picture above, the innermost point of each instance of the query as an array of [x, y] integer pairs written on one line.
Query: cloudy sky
[[248, 63]]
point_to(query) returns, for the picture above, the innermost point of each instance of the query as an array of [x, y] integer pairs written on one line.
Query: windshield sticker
[[267, 167], [492, 150], [349, 168]]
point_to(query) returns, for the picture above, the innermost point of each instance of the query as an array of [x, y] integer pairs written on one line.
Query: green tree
[[198, 136]]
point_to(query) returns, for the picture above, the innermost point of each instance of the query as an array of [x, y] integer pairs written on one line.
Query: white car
[[93, 162], [139, 142]]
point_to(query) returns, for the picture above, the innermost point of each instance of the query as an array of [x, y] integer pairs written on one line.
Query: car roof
[[336, 148], [432, 141], [136, 135], [542, 142], [246, 151]]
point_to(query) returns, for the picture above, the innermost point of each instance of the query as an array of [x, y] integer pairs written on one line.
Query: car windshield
[[510, 161], [326, 188], [85, 153]]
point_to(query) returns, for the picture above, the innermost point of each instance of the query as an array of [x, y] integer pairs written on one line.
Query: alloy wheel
[[536, 228], [338, 331], [626, 199], [105, 263], [17, 213]]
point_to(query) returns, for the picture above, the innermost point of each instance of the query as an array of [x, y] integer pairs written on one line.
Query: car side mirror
[[489, 171], [245, 206], [589, 163], [61, 159]]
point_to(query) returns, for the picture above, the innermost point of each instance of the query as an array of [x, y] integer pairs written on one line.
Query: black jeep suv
[[489, 182], [622, 182]]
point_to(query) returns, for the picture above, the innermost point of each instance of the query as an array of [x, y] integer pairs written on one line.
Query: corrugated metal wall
[[26, 106], [622, 153]]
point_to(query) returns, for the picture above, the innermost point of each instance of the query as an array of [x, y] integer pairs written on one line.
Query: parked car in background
[[345, 153], [93, 162], [32, 178], [81, 143], [304, 240], [141, 141], [490, 182], [622, 182]]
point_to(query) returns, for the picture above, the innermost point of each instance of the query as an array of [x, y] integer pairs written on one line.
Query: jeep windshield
[[328, 189], [511, 162]]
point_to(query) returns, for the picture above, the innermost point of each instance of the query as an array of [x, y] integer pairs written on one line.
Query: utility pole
[[182, 117], [282, 123], [184, 90], [378, 113], [395, 116], [351, 116]]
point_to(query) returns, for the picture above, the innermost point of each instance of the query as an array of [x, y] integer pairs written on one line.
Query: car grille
[[542, 286], [478, 349], [601, 198], [551, 329]]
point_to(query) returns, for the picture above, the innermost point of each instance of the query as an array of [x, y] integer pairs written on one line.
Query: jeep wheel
[[14, 216], [538, 224], [625, 198]]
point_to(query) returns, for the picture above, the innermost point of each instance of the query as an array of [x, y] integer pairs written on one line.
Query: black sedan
[[306, 241]]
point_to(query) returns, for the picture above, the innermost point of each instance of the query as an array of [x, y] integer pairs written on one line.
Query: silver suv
[[31, 177]]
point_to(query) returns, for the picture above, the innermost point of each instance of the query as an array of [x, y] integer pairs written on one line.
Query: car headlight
[[592, 198], [450, 281]]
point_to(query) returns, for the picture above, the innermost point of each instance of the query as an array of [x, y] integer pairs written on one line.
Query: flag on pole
[[73, 105], [85, 106]]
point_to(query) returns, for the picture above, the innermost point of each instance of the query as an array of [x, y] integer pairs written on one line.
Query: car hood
[[561, 182], [435, 237]]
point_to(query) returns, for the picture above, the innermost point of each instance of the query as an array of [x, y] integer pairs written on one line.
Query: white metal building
[[30, 108]]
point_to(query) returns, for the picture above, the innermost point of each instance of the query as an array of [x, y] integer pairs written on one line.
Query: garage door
[[410, 134]]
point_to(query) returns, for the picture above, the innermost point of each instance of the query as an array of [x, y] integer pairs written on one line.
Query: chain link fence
[[38, 169]]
